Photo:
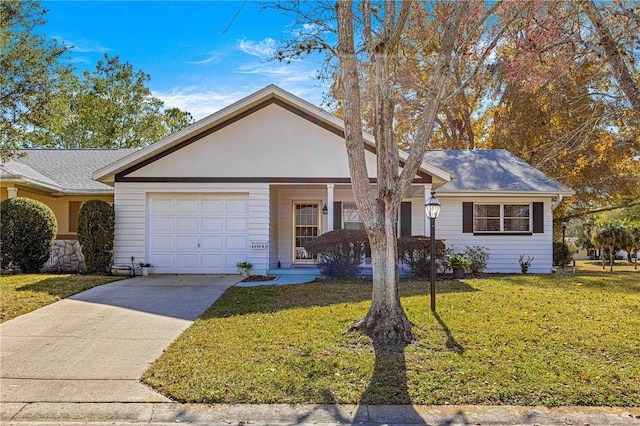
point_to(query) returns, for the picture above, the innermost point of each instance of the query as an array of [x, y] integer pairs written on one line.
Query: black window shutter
[[538, 218], [337, 215], [405, 218], [467, 217]]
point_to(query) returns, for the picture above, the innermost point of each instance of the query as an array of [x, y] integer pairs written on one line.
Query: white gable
[[271, 142]]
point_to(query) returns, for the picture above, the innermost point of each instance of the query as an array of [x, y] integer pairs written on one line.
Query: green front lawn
[[526, 340], [25, 293]]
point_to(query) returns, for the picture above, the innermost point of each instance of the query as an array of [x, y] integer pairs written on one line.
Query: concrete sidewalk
[[95, 346], [280, 414]]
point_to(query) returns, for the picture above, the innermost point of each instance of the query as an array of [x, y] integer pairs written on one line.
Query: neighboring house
[[61, 179], [256, 180]]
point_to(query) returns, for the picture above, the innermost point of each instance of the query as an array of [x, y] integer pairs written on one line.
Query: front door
[[306, 227]]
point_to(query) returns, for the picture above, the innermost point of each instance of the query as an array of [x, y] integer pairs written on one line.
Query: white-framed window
[[351, 216], [511, 218], [306, 227]]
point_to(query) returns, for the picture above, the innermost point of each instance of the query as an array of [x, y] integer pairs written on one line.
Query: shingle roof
[[67, 169], [14, 169], [491, 170]]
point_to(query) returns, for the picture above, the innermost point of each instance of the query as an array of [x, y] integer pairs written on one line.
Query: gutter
[[556, 203]]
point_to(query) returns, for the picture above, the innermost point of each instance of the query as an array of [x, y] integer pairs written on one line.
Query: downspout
[[557, 202]]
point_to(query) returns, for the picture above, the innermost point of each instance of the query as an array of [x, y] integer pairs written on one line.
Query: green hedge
[[28, 229], [415, 252], [339, 252], [96, 223]]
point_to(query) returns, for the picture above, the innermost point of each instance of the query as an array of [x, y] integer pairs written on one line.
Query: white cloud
[[262, 49], [84, 46], [200, 103], [213, 56]]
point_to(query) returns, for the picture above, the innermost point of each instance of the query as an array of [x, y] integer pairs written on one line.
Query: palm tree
[[600, 239], [610, 236]]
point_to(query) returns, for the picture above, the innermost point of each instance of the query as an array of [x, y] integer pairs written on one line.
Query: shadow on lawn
[[451, 343], [268, 299], [61, 286]]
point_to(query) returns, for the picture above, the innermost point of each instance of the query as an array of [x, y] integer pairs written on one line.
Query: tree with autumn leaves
[[471, 75]]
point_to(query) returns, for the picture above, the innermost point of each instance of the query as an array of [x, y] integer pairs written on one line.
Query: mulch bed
[[257, 278]]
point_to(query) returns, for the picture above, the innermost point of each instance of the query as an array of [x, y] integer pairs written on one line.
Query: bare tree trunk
[[386, 322], [611, 257]]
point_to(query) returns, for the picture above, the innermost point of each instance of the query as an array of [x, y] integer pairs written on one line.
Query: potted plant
[[244, 268], [145, 268], [458, 263]]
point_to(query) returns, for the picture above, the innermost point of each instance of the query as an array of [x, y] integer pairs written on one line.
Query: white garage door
[[197, 234]]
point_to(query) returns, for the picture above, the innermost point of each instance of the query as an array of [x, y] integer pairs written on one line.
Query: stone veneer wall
[[66, 256]]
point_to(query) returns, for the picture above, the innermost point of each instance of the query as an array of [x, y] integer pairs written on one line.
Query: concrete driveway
[[95, 346]]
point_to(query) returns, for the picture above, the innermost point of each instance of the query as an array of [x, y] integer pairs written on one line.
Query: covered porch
[[301, 212]]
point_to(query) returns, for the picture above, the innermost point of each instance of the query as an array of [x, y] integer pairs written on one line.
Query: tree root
[[385, 329]]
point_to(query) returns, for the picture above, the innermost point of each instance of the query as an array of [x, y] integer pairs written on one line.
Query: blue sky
[[201, 55]]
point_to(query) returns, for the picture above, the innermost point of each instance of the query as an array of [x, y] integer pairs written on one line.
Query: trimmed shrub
[[562, 253], [96, 223], [415, 252], [479, 256], [340, 252], [27, 231]]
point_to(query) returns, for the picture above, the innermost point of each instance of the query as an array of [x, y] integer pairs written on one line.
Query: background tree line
[[43, 103], [546, 91]]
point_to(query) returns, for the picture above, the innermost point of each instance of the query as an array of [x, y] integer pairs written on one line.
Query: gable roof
[[495, 170], [65, 171], [232, 113]]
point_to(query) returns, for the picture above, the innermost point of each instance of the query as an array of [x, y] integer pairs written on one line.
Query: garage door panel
[[186, 242], [212, 261], [161, 242], [212, 242], [161, 224], [186, 261], [187, 224], [187, 205], [197, 234], [161, 205], [163, 261], [212, 224], [212, 205], [236, 224]]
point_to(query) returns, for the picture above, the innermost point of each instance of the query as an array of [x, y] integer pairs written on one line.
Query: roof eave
[[22, 180], [489, 193]]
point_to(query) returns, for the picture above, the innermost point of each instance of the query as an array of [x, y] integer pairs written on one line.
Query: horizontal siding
[[273, 227], [270, 220], [504, 249], [131, 216]]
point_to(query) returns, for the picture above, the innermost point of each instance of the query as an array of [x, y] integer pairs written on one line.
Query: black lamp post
[[432, 210]]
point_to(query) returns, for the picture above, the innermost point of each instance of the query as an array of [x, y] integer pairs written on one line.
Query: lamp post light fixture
[[432, 210]]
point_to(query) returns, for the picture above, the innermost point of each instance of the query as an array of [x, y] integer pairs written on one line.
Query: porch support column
[[12, 192], [330, 187], [427, 225]]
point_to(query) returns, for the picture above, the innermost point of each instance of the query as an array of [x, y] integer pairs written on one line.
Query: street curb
[[283, 414]]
